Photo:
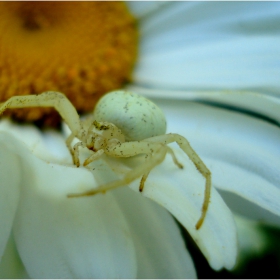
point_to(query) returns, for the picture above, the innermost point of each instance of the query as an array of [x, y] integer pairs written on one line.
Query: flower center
[[83, 49]]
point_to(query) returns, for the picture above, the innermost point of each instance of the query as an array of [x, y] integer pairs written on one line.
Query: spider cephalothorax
[[123, 125]]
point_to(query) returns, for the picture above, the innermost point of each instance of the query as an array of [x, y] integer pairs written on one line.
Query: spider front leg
[[201, 167], [68, 142], [53, 99], [75, 152], [145, 176], [129, 149], [170, 151], [93, 157]]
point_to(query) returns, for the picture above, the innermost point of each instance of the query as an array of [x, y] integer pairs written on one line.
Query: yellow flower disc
[[82, 49]]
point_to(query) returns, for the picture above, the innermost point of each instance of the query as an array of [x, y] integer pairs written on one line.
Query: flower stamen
[[83, 49]]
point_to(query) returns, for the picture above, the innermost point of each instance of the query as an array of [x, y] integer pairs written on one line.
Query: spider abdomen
[[136, 116]]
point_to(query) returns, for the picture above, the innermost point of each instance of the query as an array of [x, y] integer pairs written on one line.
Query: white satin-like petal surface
[[202, 45], [120, 234], [10, 173], [72, 239], [160, 249], [182, 193], [242, 152], [142, 9], [156, 236], [49, 146], [254, 102]]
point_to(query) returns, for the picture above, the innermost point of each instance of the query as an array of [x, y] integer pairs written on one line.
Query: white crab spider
[[124, 125]]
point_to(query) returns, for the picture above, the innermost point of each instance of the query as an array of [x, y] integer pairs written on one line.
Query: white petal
[[249, 209], [39, 205], [59, 237], [216, 45], [242, 152], [142, 9], [217, 238], [255, 102], [182, 192], [219, 18], [49, 145], [10, 174], [161, 252], [11, 266], [156, 237]]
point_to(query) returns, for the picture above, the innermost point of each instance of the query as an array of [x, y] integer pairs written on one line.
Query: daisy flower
[[224, 54]]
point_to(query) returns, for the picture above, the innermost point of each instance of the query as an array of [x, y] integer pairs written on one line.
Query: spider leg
[[75, 152], [143, 180], [170, 151], [144, 177], [156, 159], [53, 99], [76, 147], [201, 167], [94, 157], [68, 141]]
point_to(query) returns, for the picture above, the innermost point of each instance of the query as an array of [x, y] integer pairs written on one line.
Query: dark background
[[264, 266]]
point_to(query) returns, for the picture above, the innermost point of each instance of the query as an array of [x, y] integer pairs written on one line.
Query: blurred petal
[[242, 152], [248, 209], [142, 9], [11, 266], [181, 192], [252, 240], [10, 174], [161, 252], [156, 237], [255, 102], [215, 45], [58, 237], [49, 145]]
